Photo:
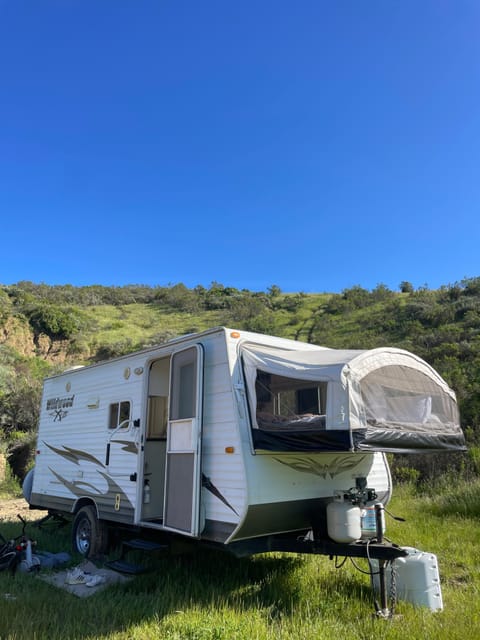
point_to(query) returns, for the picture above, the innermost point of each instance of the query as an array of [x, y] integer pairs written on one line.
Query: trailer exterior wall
[[71, 461]]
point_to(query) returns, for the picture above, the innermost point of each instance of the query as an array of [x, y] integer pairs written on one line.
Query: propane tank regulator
[[360, 494]]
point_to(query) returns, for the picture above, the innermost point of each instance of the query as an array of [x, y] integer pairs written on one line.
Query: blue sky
[[312, 145]]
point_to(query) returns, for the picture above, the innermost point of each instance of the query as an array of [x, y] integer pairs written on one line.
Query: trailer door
[[183, 466]]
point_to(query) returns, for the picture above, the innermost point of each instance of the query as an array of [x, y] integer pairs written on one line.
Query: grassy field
[[211, 596]]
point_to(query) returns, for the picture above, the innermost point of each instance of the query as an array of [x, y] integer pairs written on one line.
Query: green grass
[[209, 595], [139, 324]]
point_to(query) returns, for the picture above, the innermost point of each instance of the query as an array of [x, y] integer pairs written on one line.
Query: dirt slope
[[10, 508]]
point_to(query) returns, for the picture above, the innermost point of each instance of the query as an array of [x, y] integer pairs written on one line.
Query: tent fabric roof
[[309, 365]]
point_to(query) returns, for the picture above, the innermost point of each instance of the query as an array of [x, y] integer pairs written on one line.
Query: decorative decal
[[128, 445], [78, 488], [74, 455], [209, 486], [57, 406], [309, 465]]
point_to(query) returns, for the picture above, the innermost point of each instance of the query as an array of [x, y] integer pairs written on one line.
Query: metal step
[[136, 544], [144, 545], [122, 566]]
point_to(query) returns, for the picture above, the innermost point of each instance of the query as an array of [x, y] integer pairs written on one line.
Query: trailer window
[[397, 395], [289, 403], [184, 385], [119, 414]]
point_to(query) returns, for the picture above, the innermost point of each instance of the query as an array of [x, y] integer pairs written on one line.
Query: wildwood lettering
[[54, 404]]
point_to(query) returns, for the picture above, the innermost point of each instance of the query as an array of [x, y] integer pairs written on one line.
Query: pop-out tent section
[[336, 400]]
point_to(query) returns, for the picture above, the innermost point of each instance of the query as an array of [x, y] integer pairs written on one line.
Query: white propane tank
[[343, 519]]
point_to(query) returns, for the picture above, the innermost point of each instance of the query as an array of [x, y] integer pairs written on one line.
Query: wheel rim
[[83, 536]]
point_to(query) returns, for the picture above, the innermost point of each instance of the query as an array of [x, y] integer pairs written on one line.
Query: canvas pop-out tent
[[383, 399]]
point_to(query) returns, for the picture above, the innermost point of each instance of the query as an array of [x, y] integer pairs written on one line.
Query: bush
[[452, 500], [474, 457], [406, 287], [115, 350], [21, 455], [428, 468], [9, 485], [56, 322], [19, 403], [404, 474]]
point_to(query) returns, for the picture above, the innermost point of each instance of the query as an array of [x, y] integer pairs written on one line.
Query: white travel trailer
[[234, 438]]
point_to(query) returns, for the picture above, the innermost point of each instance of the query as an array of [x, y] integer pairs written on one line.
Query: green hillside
[[45, 328]]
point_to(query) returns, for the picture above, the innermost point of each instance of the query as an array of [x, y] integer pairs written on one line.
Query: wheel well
[[85, 502]]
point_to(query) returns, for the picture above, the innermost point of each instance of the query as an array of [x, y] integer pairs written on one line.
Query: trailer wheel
[[89, 534]]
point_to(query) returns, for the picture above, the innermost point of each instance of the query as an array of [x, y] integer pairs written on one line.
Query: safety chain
[[393, 587]]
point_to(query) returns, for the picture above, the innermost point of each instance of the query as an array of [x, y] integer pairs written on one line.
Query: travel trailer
[[237, 439]]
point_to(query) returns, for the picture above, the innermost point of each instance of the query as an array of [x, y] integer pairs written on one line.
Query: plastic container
[[417, 579], [369, 522], [146, 492], [343, 520]]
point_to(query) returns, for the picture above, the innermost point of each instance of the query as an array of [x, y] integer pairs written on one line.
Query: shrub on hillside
[[54, 321]]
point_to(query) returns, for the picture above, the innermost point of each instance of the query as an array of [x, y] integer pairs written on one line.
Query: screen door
[[183, 467]]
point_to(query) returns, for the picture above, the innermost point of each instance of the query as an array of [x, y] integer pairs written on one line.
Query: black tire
[[89, 534], [8, 561]]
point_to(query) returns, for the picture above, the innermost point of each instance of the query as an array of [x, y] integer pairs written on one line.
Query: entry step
[[144, 545], [122, 566], [135, 544]]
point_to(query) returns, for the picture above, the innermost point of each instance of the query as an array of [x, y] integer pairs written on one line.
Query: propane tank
[[146, 492], [343, 519]]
